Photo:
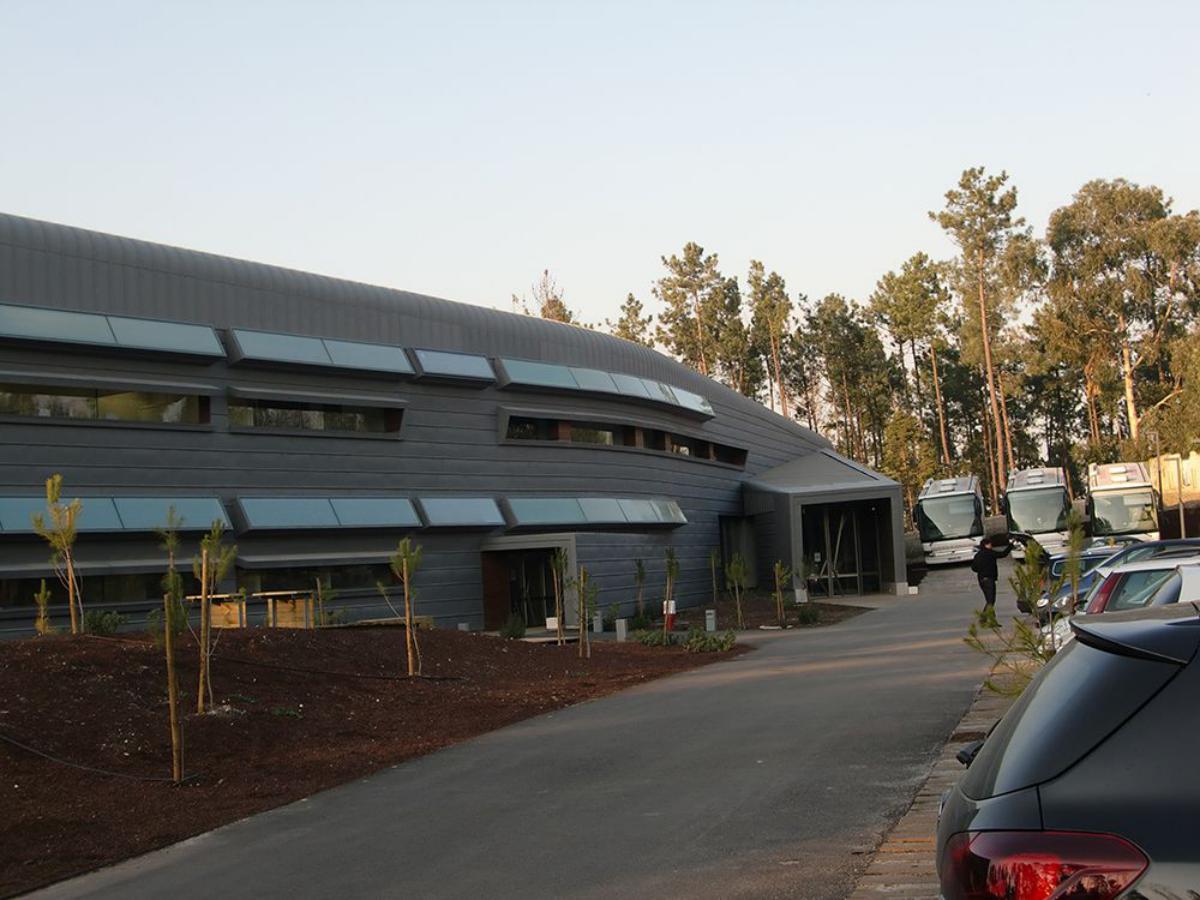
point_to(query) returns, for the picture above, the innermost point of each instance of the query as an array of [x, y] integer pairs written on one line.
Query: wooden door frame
[[558, 541]]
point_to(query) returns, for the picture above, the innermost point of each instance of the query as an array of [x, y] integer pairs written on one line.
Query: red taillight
[[1100, 600], [1038, 865]]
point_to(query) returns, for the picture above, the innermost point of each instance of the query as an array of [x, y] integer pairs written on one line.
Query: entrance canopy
[[835, 522]]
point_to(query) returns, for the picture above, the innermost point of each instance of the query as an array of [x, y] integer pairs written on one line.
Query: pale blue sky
[[459, 148]]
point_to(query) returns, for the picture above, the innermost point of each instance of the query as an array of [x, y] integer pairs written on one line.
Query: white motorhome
[[1122, 501], [1037, 503], [949, 517]]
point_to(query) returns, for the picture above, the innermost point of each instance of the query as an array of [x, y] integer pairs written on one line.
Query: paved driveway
[[768, 776]]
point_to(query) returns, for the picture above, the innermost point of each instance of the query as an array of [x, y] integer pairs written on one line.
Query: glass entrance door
[[841, 548]]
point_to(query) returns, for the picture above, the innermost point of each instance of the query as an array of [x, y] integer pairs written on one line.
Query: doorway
[[841, 545], [517, 582]]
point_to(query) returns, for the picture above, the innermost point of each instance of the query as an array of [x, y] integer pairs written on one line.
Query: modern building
[[323, 420]]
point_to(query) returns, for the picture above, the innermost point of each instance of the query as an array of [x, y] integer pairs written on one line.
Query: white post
[[710, 620], [622, 630]]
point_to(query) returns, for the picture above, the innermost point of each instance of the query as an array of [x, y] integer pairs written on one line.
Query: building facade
[[322, 420]]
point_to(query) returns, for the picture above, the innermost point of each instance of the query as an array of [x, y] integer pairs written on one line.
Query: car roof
[[1159, 563]]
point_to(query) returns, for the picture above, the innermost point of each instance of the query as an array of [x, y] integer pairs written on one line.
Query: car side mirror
[[967, 754]]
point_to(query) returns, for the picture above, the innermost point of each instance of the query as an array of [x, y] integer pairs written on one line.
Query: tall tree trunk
[[203, 629], [700, 338], [849, 418], [941, 412], [1090, 390], [1012, 462], [1127, 376], [917, 376], [172, 689], [986, 337], [991, 458], [783, 403], [76, 619]]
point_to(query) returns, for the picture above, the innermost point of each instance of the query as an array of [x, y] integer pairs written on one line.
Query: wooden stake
[[172, 690]]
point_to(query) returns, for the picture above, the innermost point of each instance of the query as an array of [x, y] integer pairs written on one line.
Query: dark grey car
[[1088, 787]]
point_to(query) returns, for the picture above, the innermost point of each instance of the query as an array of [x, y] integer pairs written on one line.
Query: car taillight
[[1100, 601], [1038, 865]]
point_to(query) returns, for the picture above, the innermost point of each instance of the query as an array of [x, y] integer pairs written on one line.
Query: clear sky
[[459, 148]]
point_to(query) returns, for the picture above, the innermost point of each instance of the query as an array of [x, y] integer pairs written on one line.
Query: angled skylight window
[[639, 511], [33, 323], [669, 511], [150, 513], [659, 391], [375, 357], [547, 511], [461, 512], [693, 401], [97, 514], [266, 346], [385, 512], [288, 512], [538, 374], [594, 380], [602, 510], [444, 364], [175, 337], [631, 386]]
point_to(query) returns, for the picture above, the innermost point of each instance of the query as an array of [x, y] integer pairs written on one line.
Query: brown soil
[[758, 608], [284, 732]]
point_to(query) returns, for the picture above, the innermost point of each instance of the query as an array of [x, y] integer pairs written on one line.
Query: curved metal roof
[[58, 266]]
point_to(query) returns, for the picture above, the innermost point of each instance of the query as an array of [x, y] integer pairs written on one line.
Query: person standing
[[985, 569]]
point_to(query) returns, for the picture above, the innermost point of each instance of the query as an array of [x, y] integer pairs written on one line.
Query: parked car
[[1087, 787], [1132, 585], [1056, 568], [1140, 550]]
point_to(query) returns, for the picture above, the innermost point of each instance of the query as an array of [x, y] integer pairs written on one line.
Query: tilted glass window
[[565, 511], [461, 512], [376, 357], [328, 512], [443, 364], [361, 512], [271, 347], [693, 401], [96, 514], [288, 512], [37, 401], [150, 513], [630, 385], [547, 511], [594, 380], [300, 416], [178, 337], [660, 391], [539, 374], [55, 325]]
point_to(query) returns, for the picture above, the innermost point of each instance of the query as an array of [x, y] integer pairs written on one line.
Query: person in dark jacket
[[984, 567]]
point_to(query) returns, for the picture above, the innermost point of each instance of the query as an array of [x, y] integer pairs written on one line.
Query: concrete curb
[[904, 865]]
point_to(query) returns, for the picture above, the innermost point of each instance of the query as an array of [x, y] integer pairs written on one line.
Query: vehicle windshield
[[1136, 588], [1038, 511], [945, 518], [1124, 513], [1086, 563]]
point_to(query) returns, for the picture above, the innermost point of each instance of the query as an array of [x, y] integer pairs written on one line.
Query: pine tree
[[771, 313], [692, 293], [632, 325]]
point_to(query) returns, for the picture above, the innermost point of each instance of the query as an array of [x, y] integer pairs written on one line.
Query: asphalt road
[[773, 775]]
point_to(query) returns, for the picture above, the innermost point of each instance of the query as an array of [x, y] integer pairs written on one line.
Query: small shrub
[[514, 628], [286, 712], [654, 638], [698, 641], [611, 613], [42, 623], [102, 621], [641, 621], [334, 617], [807, 614]]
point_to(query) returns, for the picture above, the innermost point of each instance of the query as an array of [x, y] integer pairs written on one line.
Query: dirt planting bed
[[758, 608], [295, 716]]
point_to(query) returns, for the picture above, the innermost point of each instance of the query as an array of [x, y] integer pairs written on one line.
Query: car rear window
[[1135, 589], [1168, 592], [1080, 698]]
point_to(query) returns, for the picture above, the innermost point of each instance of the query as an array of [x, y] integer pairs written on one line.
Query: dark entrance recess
[[842, 547], [517, 581]]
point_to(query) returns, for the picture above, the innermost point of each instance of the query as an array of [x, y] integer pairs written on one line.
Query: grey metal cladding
[[450, 447]]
